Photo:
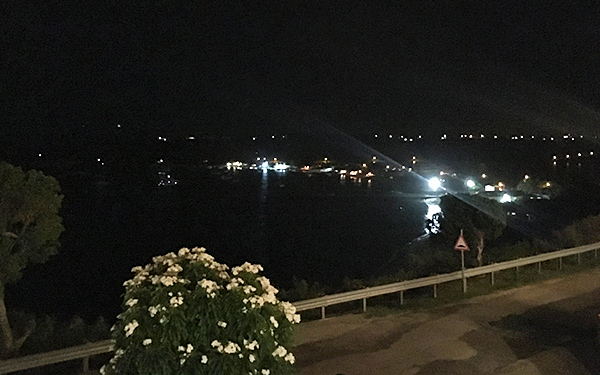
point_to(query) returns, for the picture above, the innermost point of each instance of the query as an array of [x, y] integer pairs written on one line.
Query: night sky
[[194, 67]]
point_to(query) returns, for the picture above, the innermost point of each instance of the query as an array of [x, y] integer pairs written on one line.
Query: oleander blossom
[[187, 310]]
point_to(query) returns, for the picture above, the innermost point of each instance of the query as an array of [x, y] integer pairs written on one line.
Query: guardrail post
[[364, 305], [401, 297], [492, 274], [322, 312], [434, 290], [560, 263], [539, 267], [86, 364]]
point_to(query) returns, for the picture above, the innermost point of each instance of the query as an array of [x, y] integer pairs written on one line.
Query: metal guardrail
[[84, 352], [402, 286]]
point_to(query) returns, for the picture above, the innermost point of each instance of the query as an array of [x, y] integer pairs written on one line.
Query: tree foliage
[[187, 314], [29, 221], [480, 218], [29, 229]]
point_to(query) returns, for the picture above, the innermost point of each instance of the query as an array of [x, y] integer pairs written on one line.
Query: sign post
[[462, 246]]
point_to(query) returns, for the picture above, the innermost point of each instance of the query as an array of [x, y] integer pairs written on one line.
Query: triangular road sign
[[461, 243]]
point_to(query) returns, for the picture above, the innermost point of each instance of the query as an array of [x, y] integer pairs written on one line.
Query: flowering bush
[[187, 314]]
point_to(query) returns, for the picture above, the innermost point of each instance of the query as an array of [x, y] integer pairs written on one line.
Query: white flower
[[218, 345], [290, 312], [274, 321], [222, 324], [163, 320], [204, 359], [209, 286], [130, 327], [247, 267], [280, 352], [251, 358], [183, 252], [248, 289], [251, 345], [176, 301], [290, 358], [153, 310], [182, 361], [189, 348], [174, 269], [147, 342], [231, 348], [265, 371], [131, 302]]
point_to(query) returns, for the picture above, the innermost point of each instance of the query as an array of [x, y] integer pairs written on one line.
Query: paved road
[[543, 329]]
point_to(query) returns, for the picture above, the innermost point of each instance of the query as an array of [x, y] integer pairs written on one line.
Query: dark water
[[316, 228]]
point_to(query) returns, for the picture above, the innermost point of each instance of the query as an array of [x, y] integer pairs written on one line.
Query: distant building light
[[40, 155], [375, 135], [391, 136], [506, 199], [191, 138], [484, 175], [264, 165], [489, 188], [118, 125], [526, 177], [470, 184]]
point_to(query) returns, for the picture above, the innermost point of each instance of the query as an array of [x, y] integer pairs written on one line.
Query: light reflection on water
[[433, 207]]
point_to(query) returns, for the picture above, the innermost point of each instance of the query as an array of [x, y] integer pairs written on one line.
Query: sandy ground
[[543, 329]]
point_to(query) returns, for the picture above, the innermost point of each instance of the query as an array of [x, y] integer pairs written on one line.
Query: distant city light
[[264, 165], [470, 184], [435, 183], [489, 188], [484, 175], [40, 155], [118, 125], [526, 177], [506, 199]]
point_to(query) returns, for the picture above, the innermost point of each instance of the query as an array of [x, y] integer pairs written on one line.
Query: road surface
[[547, 328]]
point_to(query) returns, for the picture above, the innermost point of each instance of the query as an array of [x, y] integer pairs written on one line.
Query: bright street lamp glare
[[435, 183], [470, 184]]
